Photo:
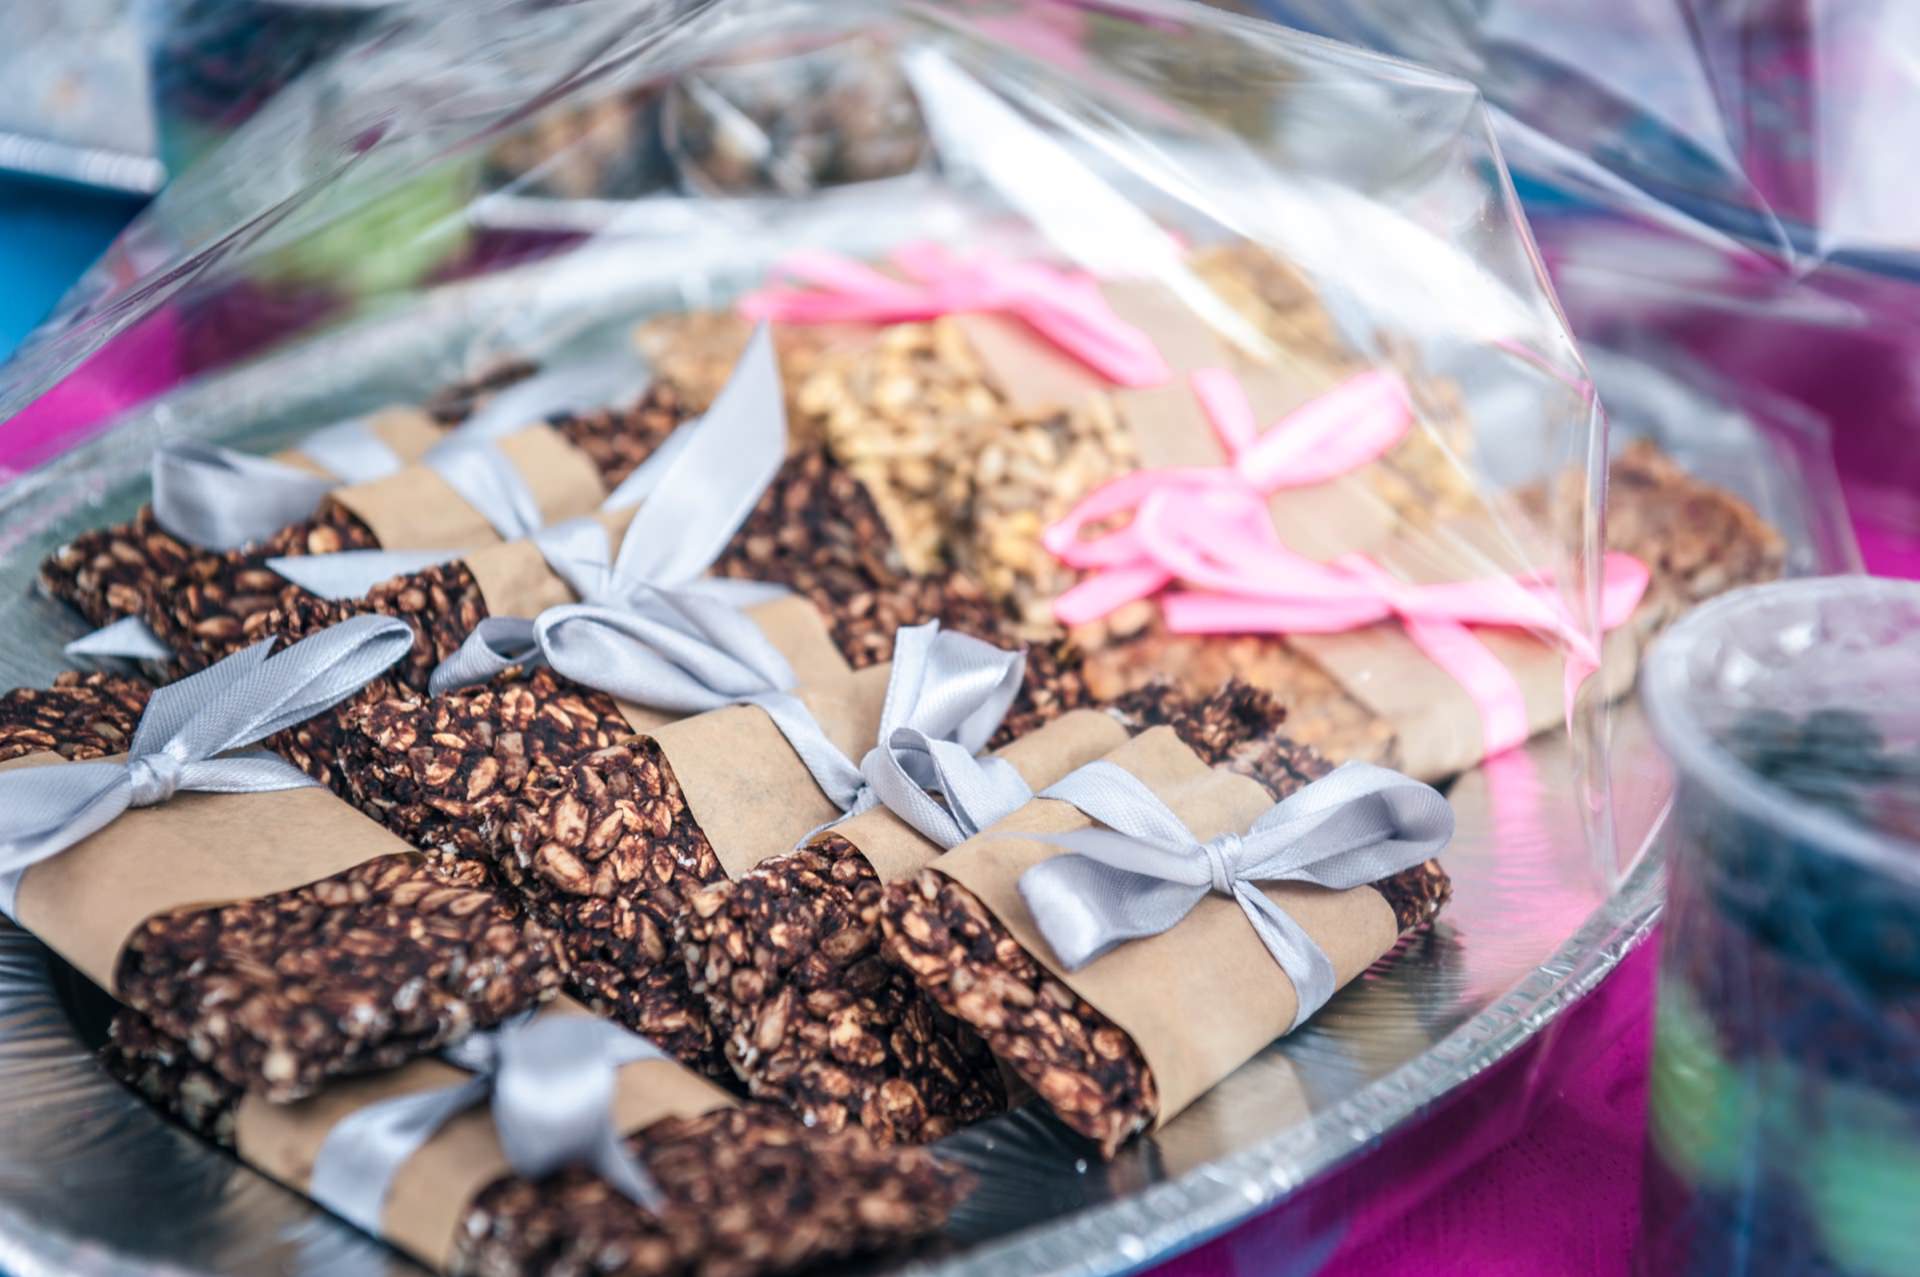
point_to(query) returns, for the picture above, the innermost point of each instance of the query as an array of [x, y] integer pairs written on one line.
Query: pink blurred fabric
[[140, 363]]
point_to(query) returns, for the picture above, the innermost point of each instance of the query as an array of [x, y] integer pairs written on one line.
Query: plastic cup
[[1784, 1112]]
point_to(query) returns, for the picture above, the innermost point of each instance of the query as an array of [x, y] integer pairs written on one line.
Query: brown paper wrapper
[[897, 850], [1202, 998], [410, 432], [195, 850], [434, 1187], [418, 510], [750, 792], [1436, 722]]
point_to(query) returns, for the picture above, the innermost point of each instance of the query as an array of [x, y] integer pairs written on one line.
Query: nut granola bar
[[1084, 1066], [787, 961], [1698, 540]]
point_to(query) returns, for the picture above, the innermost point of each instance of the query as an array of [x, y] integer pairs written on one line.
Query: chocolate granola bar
[[545, 782], [81, 717], [358, 970], [1698, 540], [751, 1190], [206, 604], [1087, 1069], [787, 961]]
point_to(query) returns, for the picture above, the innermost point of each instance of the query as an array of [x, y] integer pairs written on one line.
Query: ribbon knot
[[550, 1080], [1222, 854], [650, 598], [186, 736], [153, 779], [1209, 529], [946, 697], [1147, 870], [1065, 307]]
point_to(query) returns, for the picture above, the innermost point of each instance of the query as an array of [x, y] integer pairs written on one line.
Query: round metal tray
[[91, 1181]]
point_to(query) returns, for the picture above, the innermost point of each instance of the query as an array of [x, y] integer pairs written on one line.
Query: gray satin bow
[[946, 697], [701, 494], [184, 735], [1146, 871], [550, 1079], [352, 573]]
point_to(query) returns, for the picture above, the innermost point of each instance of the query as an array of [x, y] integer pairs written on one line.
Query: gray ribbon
[[351, 452], [946, 697], [221, 499], [129, 637], [699, 498], [550, 1079], [1146, 871], [495, 488], [184, 735]]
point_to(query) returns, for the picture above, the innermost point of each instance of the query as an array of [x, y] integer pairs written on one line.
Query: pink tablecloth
[[1534, 1169]]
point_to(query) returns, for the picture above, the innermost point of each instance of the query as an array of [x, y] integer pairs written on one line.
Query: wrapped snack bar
[[193, 570], [604, 835], [560, 1143], [1081, 936], [787, 960], [337, 948]]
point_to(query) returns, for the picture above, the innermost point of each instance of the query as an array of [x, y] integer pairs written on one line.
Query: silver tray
[[92, 1182]]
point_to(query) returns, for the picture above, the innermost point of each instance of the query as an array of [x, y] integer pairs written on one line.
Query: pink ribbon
[[1210, 529], [1065, 307]]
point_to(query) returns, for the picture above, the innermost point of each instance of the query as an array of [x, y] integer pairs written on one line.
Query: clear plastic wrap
[[1275, 290], [1324, 218], [1729, 180]]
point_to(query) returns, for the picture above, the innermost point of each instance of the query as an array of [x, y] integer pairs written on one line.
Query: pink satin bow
[[1211, 530], [1065, 307]]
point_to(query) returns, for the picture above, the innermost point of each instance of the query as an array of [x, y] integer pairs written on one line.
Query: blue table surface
[[49, 235]]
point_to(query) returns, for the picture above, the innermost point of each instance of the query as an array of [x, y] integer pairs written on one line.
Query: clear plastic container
[[1784, 1116]]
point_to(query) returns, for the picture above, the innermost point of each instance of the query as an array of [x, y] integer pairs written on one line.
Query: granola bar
[[207, 604], [787, 961], [1087, 1068], [359, 970], [751, 1190], [81, 717], [1698, 540], [544, 781]]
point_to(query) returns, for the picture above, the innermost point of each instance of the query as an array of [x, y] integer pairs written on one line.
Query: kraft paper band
[[418, 510], [437, 1184], [1200, 999], [410, 432]]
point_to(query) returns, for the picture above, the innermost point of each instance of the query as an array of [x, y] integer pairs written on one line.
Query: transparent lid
[[1796, 705]]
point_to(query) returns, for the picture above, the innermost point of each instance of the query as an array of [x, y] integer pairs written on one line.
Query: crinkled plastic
[[649, 157], [492, 179], [1729, 180]]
